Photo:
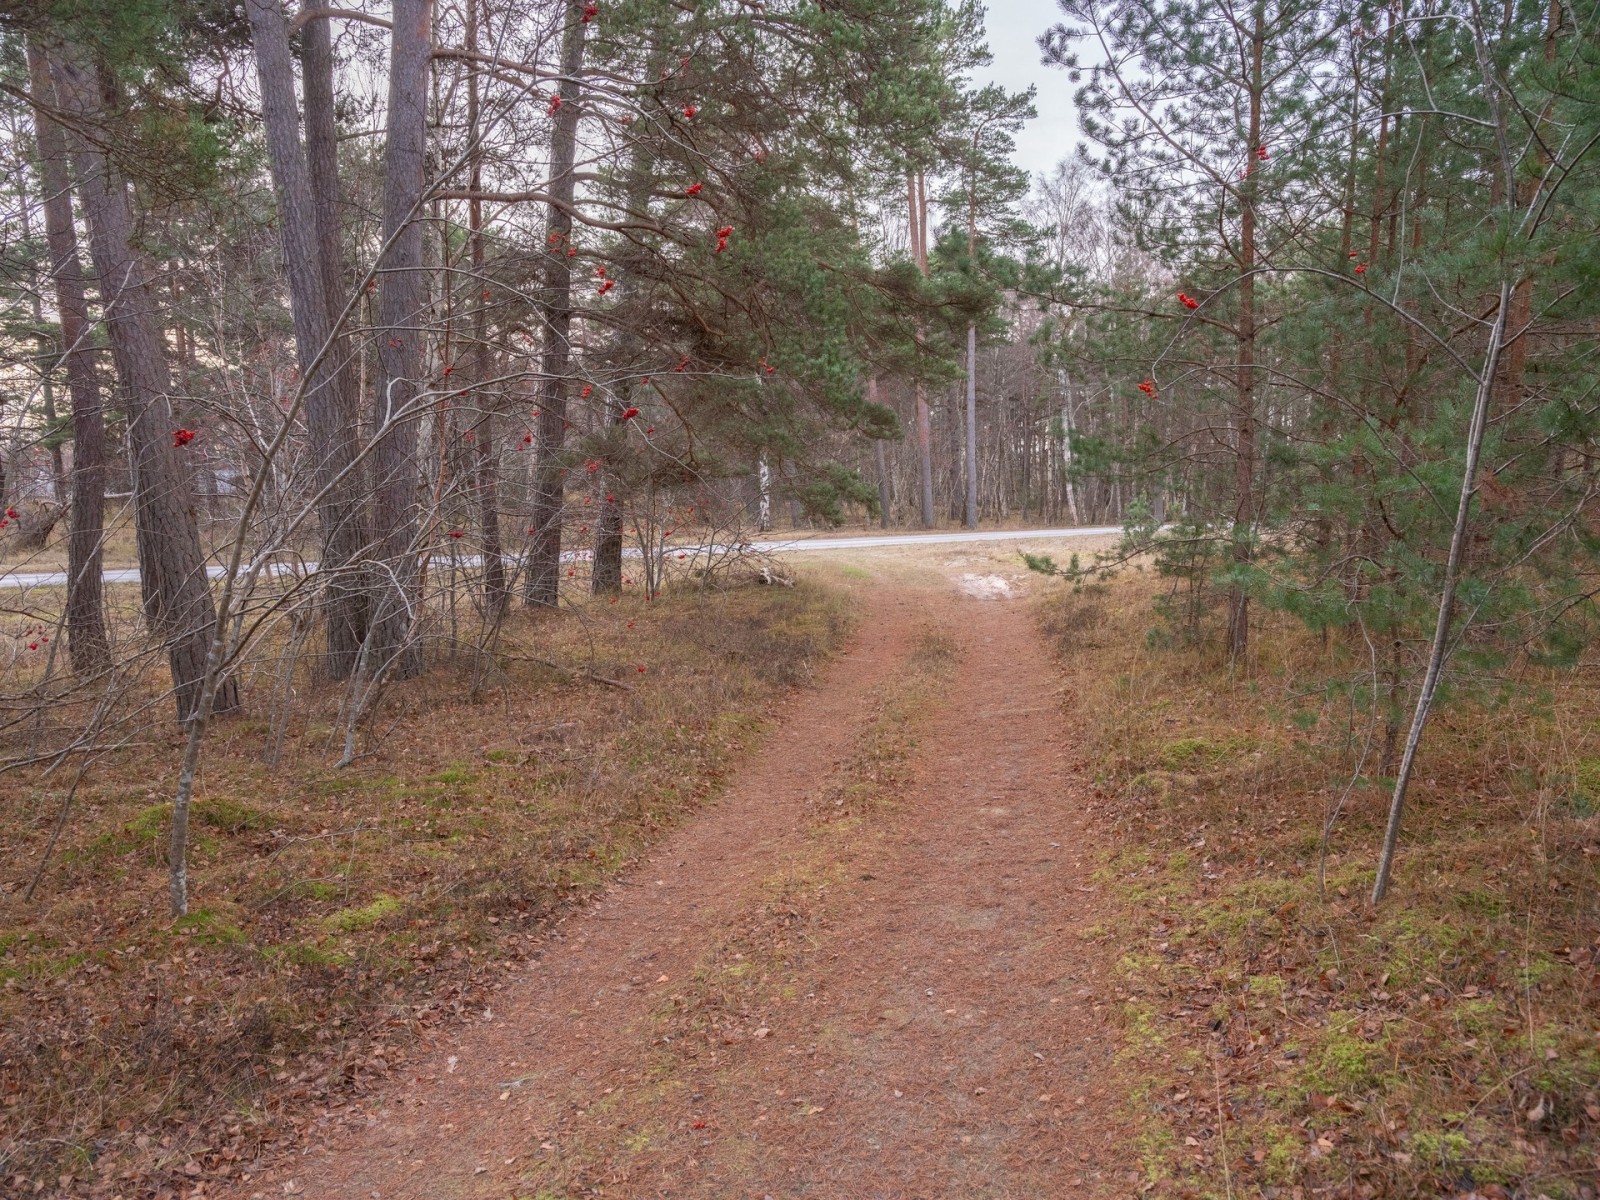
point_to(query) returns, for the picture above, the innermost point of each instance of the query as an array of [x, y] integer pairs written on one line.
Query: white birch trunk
[[764, 497]]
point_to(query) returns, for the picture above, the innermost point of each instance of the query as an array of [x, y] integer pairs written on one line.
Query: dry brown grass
[[1283, 1042], [337, 914]]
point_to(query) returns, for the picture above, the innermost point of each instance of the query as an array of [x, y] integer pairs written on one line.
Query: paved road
[[30, 579], [914, 539]]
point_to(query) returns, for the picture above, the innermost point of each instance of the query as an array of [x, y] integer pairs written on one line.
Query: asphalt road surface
[[32, 579]]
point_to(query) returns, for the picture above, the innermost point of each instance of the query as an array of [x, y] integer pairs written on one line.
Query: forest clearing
[[799, 598]]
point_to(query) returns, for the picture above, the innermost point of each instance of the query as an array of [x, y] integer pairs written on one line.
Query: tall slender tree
[[87, 638], [172, 565], [401, 329], [317, 348], [549, 501]]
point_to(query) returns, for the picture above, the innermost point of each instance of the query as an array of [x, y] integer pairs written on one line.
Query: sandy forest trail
[[853, 976]]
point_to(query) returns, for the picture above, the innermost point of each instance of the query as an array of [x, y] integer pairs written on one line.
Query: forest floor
[[861, 973], [1022, 894]]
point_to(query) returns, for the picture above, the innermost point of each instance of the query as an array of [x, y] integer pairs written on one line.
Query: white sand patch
[[988, 587]]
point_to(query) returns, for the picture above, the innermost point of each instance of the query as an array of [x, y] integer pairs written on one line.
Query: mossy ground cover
[[1282, 1038], [338, 913]]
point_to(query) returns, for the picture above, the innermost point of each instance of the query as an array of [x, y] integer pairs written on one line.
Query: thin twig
[[1222, 1133]]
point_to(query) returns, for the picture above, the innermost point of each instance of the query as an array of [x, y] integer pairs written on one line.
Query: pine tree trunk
[[402, 300], [327, 407], [972, 427], [549, 499], [953, 447], [924, 459], [47, 404], [485, 446], [172, 567], [972, 366], [786, 469], [87, 640], [337, 410], [1245, 441], [606, 574], [917, 211]]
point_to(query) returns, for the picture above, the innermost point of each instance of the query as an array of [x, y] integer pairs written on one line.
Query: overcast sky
[[1014, 27]]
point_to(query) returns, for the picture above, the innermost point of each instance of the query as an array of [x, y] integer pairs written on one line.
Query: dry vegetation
[[1283, 1041], [338, 913]]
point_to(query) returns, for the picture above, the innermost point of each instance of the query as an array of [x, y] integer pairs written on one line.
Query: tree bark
[[88, 645], [1068, 488], [322, 163], [401, 309], [605, 571], [348, 589], [1245, 438], [328, 405], [972, 427], [485, 447], [549, 500], [972, 362], [763, 495], [605, 575], [881, 458], [172, 567], [917, 209]]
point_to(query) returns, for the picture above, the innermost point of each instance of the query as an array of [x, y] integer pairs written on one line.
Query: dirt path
[[792, 998]]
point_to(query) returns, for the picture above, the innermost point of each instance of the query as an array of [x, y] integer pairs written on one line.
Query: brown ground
[[859, 974]]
